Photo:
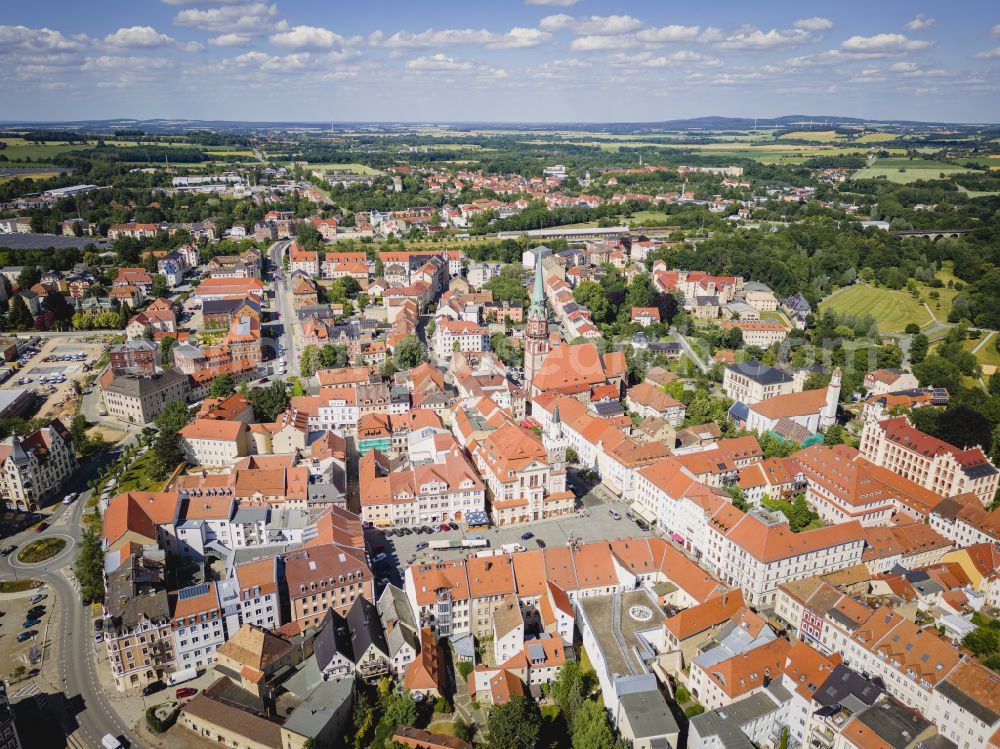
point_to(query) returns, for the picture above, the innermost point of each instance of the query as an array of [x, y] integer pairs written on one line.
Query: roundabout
[[42, 550]]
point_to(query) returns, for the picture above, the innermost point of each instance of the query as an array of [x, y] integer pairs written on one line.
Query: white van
[[179, 677], [111, 742]]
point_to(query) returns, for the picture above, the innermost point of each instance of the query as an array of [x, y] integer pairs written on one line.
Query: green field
[[908, 170], [18, 148], [987, 356], [356, 168], [892, 310], [647, 217]]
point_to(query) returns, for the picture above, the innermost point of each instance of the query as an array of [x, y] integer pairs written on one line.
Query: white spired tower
[[536, 332], [829, 414]]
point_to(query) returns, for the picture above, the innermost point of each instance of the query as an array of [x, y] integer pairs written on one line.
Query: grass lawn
[[18, 148], [892, 310], [820, 136], [774, 317], [355, 168], [138, 478], [446, 727], [908, 170], [17, 586], [28, 175], [987, 356], [40, 550], [646, 217]]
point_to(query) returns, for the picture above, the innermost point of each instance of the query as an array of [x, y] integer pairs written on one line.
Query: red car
[[184, 692], [41, 527], [444, 527]]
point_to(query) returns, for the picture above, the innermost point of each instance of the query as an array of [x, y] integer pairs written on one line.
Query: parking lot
[[15, 608], [53, 367], [592, 524]]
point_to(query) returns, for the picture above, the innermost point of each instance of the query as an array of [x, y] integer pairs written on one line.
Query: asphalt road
[[81, 708], [283, 304]]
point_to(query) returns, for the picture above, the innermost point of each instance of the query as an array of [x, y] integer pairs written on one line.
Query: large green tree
[[514, 724]]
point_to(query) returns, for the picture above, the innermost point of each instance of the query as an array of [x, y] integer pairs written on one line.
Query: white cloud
[[307, 37], [591, 25], [255, 18], [294, 62], [995, 31], [920, 23], [559, 3], [22, 38], [203, 2], [138, 37], [885, 43], [127, 63], [231, 40], [752, 38], [671, 59], [602, 43], [675, 33], [989, 54], [440, 61], [516, 38], [816, 23]]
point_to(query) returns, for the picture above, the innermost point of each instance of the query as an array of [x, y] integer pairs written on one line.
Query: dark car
[[422, 545], [35, 613], [30, 623], [527, 536], [406, 531], [643, 526], [540, 542], [27, 635], [41, 527], [152, 688], [98, 625], [9, 550], [185, 692]]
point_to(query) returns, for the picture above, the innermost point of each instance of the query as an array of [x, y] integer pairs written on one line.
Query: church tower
[[536, 332], [555, 443]]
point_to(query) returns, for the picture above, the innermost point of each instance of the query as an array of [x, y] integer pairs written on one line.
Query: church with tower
[[536, 330]]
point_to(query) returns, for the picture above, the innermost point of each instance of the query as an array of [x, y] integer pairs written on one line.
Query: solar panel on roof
[[193, 592]]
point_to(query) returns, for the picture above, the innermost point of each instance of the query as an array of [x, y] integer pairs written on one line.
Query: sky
[[502, 60]]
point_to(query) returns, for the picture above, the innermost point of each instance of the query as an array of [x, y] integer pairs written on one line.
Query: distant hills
[[178, 126]]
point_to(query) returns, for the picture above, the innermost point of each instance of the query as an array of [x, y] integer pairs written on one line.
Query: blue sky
[[505, 60]]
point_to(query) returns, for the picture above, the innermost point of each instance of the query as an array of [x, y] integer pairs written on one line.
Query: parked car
[[38, 597], [184, 692], [444, 527], [406, 531], [98, 625], [379, 558], [27, 635], [614, 514], [527, 536], [422, 545], [68, 499], [41, 527], [27, 623], [35, 612], [540, 542], [9, 550], [99, 638], [153, 687], [453, 525]]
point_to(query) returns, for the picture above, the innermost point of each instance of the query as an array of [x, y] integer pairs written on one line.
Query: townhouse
[[648, 401], [963, 521], [445, 488], [758, 552], [459, 335], [197, 625], [137, 622], [526, 478], [257, 586], [841, 486], [325, 577], [751, 382], [214, 443], [944, 469], [35, 468]]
